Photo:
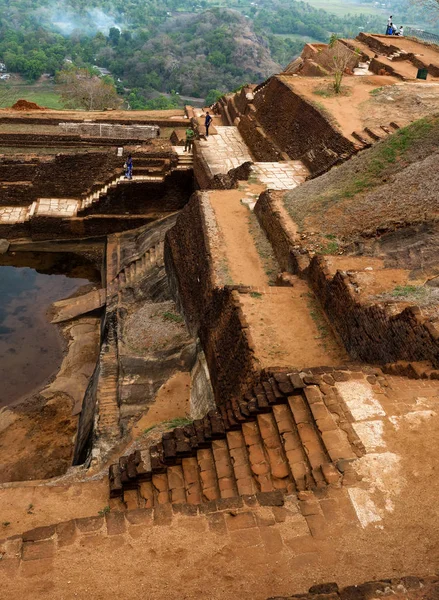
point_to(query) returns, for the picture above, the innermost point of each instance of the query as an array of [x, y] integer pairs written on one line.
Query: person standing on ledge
[[389, 26], [207, 122], [129, 167], [190, 134]]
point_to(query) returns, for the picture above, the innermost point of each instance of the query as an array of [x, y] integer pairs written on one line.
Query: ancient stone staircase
[[96, 196], [185, 159], [369, 135], [285, 435], [137, 269], [107, 390]]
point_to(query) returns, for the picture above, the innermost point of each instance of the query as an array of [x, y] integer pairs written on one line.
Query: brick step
[[280, 437]]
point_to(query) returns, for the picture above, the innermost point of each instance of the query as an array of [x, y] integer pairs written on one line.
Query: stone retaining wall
[[111, 130], [188, 261], [369, 331], [404, 588], [227, 344]]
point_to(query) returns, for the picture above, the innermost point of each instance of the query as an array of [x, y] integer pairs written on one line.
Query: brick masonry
[[369, 332]]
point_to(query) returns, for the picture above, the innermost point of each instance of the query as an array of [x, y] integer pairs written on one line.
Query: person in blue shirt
[[129, 167]]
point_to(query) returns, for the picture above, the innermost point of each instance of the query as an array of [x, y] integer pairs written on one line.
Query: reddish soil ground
[[288, 328], [27, 505], [358, 108]]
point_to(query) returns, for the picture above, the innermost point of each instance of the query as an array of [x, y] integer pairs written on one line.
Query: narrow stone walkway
[[286, 323], [224, 151], [244, 264], [227, 150]]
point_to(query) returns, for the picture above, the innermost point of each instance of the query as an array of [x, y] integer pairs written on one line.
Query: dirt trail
[[237, 244], [288, 328]]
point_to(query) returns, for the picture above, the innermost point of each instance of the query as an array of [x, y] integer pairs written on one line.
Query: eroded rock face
[[4, 246], [153, 344]]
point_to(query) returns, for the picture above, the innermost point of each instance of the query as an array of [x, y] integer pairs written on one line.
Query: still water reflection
[[30, 346]]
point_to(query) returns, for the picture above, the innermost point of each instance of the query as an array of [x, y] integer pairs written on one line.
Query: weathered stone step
[[208, 476], [223, 466], [280, 472], [258, 460]]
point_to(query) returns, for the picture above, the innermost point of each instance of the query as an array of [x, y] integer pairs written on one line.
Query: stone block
[[147, 493], [163, 515], [244, 520], [229, 503], [89, 524], [246, 539], [272, 540], [265, 519], [131, 499], [115, 523], [270, 498], [39, 533], [208, 507], [324, 588], [66, 533], [217, 523], [317, 525], [38, 550], [139, 516], [189, 510]]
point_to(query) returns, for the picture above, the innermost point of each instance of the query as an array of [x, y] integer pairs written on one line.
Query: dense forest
[[170, 47]]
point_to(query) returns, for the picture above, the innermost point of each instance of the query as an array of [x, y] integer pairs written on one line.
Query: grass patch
[[329, 92], [376, 91], [104, 511], [46, 96], [171, 424], [387, 156], [409, 291], [331, 247], [172, 317], [256, 295]]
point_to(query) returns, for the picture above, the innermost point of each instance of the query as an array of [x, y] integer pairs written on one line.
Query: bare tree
[[82, 89], [341, 60]]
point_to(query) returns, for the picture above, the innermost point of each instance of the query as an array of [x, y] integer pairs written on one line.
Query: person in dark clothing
[[129, 167], [207, 122]]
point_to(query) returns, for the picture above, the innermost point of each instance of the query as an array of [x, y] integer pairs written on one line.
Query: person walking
[[207, 123], [129, 167], [190, 134]]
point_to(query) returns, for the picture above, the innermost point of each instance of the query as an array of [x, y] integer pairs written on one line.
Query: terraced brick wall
[[189, 263], [368, 331], [298, 128]]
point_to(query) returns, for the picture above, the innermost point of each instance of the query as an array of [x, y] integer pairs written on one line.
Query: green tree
[[212, 97]]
